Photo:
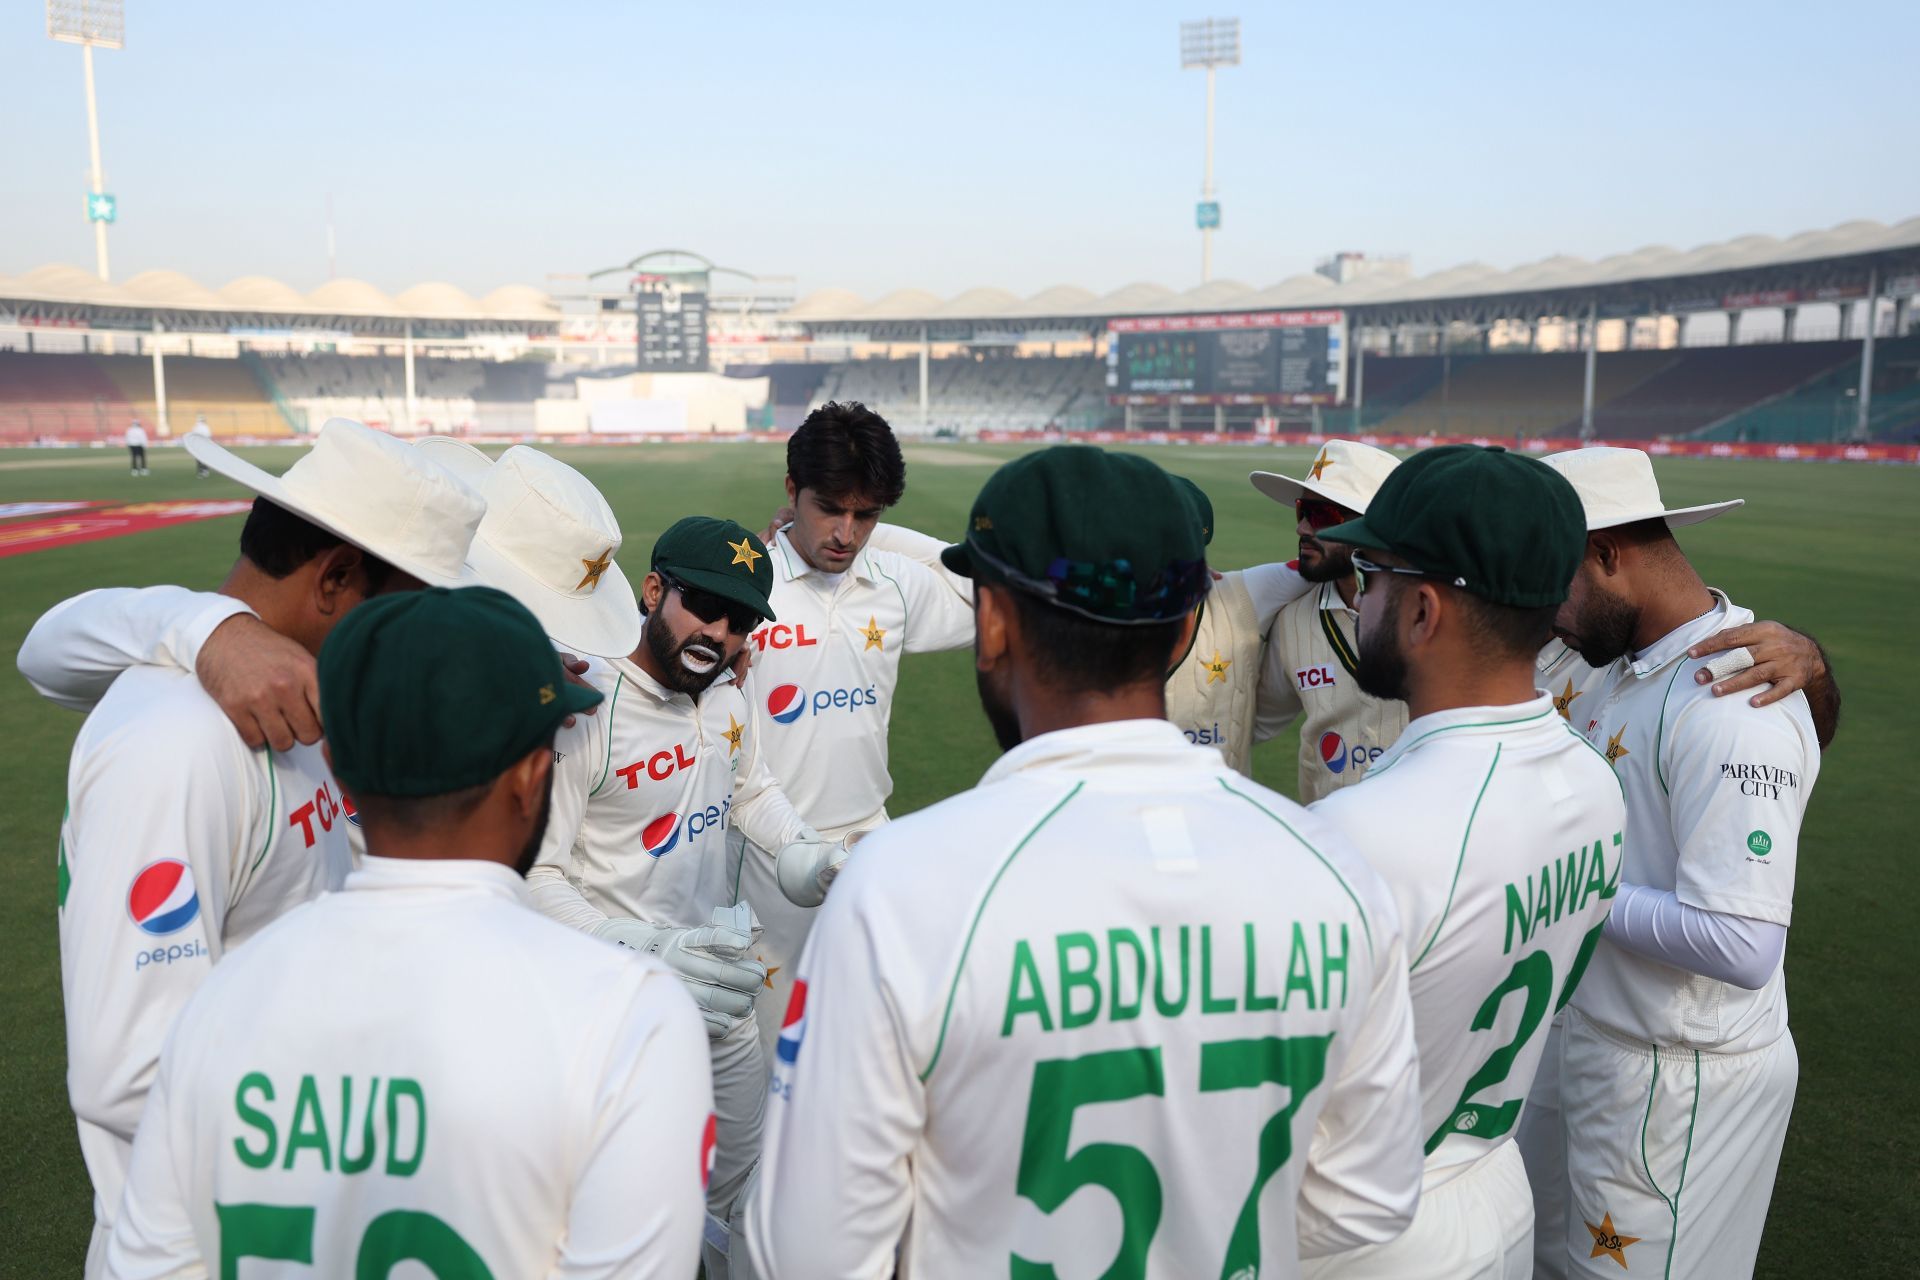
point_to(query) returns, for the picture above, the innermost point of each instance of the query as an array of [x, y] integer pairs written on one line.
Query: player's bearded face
[[999, 709], [1595, 622], [1382, 672], [1324, 561], [689, 658]]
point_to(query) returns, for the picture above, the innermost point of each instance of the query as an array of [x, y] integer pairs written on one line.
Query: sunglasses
[[1319, 513], [710, 607], [1363, 566]]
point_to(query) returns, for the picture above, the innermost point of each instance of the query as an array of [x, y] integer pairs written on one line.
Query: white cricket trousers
[[1542, 1139], [1671, 1152], [740, 1111], [1477, 1225]]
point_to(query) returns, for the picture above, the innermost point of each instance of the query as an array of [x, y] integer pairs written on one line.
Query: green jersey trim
[[606, 766], [1461, 861], [1342, 649], [273, 809], [1342, 880], [1686, 1158], [1581, 739], [906, 618], [946, 1015], [1660, 734], [1401, 753], [66, 876]]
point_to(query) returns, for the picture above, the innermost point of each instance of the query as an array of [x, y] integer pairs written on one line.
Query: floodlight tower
[[90, 23], [1210, 43]]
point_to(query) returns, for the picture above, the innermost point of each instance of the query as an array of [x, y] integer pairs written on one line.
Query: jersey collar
[[637, 675], [1118, 743], [1330, 601], [1674, 645], [413, 875], [789, 564], [1514, 717]]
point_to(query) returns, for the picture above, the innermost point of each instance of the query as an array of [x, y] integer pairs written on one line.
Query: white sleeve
[[923, 549], [80, 646], [1362, 1180], [938, 616], [639, 1202], [153, 1235], [198, 801], [761, 809], [1273, 587], [1276, 700], [845, 1111], [1727, 948], [577, 753]]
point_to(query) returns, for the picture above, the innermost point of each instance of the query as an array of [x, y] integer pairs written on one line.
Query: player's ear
[[993, 625], [653, 588], [1421, 615], [1603, 548], [793, 493], [339, 580], [529, 778]]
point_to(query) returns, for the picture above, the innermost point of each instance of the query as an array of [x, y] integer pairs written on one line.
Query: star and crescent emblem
[[1614, 749], [595, 567], [1320, 464], [1216, 668], [744, 552], [1608, 1241], [734, 730], [874, 633], [1563, 700]]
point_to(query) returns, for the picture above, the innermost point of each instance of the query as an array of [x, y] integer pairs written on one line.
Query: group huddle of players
[[1513, 1005]]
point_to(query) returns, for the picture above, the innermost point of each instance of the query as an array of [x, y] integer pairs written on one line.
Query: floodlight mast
[[1209, 44], [90, 23]]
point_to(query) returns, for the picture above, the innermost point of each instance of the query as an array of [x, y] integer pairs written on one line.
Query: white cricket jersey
[[422, 1070], [179, 843], [1499, 832], [1213, 695], [1716, 789], [136, 436], [1115, 964], [1312, 658], [643, 792], [824, 675]]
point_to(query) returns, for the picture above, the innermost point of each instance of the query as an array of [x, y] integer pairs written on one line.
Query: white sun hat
[[548, 541], [373, 491], [1616, 486], [1345, 472]]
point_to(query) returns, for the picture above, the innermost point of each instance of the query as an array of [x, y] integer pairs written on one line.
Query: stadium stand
[[58, 397], [1514, 395], [1822, 408], [95, 396], [1393, 383], [1706, 385], [453, 396], [996, 393]]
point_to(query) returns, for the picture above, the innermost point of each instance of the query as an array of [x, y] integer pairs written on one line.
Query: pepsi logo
[[707, 1140], [660, 835], [787, 703], [1333, 752], [162, 899], [794, 1028]]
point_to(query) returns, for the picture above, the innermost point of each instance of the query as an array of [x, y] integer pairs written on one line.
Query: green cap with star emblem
[[1109, 536], [427, 692], [720, 556]]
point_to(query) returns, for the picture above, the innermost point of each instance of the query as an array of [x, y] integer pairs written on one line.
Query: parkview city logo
[[162, 899]]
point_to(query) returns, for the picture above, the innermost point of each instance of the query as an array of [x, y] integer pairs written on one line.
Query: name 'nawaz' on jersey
[[1064, 983], [1563, 888]]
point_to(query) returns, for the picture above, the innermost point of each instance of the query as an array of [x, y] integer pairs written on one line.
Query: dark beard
[[1382, 672], [1006, 725], [1606, 627], [666, 656], [1335, 562], [524, 863]]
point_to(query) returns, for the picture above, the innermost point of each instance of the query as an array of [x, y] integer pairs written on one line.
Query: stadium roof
[[1472, 280], [254, 295]]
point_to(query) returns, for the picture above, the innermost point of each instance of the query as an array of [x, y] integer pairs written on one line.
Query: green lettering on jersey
[[1210, 1003], [309, 1126], [397, 1089], [1517, 915], [1169, 1008], [1543, 902], [1033, 999], [350, 1163], [1078, 978], [1299, 970], [1329, 966], [255, 1118], [1120, 1010], [1597, 881], [1256, 1003]]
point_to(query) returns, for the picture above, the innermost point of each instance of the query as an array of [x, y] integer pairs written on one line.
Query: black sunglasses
[[711, 607], [1363, 566]]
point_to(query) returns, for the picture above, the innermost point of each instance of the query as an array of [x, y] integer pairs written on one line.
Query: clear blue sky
[[876, 146]]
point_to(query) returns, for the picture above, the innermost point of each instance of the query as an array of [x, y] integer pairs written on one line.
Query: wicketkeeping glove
[[807, 866], [714, 960]]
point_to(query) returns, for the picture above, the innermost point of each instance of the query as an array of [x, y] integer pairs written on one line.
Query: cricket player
[[137, 447], [1678, 1069], [1497, 829], [643, 795], [1115, 966], [179, 842], [824, 674], [1312, 660], [417, 1069]]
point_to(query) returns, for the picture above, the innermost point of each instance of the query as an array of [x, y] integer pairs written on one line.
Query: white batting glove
[[807, 866], [714, 960]]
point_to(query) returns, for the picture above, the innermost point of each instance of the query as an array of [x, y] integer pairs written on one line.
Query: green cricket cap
[[721, 556], [1498, 525], [426, 692], [1109, 536], [1202, 506]]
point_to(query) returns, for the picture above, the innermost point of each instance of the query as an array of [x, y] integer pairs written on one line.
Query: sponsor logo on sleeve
[[162, 899], [1337, 755], [1760, 843], [1762, 781], [1320, 677], [794, 1028], [707, 1140]]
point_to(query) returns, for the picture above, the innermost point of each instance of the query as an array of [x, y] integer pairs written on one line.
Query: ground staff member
[[420, 1069], [1113, 946], [1679, 1070], [1496, 828], [180, 843]]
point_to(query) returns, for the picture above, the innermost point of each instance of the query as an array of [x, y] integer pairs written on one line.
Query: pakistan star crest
[[744, 553]]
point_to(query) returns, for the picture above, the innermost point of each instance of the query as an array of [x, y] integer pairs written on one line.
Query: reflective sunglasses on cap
[[1363, 566], [710, 607], [1319, 513]]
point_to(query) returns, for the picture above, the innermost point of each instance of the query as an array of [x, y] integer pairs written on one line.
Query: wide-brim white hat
[[373, 491], [1617, 486], [1344, 472], [549, 540]]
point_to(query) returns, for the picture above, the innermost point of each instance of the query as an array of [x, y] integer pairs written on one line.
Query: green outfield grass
[[1834, 550]]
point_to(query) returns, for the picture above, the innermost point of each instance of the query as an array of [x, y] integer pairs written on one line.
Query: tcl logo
[[323, 808], [782, 636], [1320, 677], [659, 766]]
